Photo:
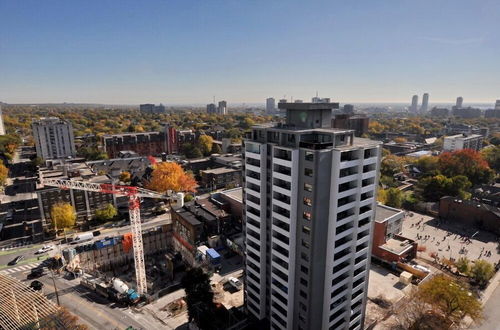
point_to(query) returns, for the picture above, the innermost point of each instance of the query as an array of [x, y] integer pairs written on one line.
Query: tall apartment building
[[270, 105], [53, 138], [414, 104], [211, 108], [497, 105], [2, 128], [460, 102], [425, 103], [463, 141], [222, 108], [309, 204]]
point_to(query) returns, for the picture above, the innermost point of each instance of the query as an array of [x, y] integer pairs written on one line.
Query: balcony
[[348, 171], [341, 254], [253, 175], [340, 267], [253, 211], [253, 162], [345, 214], [253, 187], [282, 184], [363, 222], [281, 211], [282, 198], [342, 229], [282, 169], [283, 154], [342, 243], [280, 262]]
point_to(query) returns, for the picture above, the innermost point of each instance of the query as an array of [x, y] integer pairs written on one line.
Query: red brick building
[[471, 213], [145, 144], [388, 244]]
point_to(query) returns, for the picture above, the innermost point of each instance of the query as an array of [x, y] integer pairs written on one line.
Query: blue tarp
[[212, 254]]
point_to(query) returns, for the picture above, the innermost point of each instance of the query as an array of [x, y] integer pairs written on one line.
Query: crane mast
[[133, 194]]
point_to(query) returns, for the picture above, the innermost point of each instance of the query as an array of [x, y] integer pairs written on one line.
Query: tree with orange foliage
[[467, 162], [170, 176]]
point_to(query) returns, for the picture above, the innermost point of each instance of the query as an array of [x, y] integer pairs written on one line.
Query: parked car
[[45, 248], [36, 272], [96, 233], [235, 283], [15, 260], [36, 285]]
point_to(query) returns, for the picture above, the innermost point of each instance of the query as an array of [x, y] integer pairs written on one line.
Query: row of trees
[[449, 174], [437, 304]]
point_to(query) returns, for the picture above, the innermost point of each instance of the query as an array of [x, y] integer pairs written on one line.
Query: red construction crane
[[134, 194]]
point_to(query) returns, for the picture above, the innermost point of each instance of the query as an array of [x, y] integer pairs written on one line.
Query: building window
[[303, 281], [305, 244], [308, 187], [309, 156], [307, 201], [304, 256], [307, 215], [308, 172], [306, 230], [303, 294]]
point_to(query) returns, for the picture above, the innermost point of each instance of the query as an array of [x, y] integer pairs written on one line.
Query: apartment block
[[53, 138], [309, 200], [144, 144], [463, 141]]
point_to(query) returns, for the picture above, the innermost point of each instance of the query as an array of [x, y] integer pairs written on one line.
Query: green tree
[[427, 164], [216, 149], [106, 213], [199, 299], [450, 297], [432, 188], [394, 197], [482, 271], [391, 165], [205, 143], [191, 151], [63, 215], [462, 265], [492, 156]]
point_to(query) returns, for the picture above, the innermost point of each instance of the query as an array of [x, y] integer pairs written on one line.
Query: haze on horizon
[[179, 52]]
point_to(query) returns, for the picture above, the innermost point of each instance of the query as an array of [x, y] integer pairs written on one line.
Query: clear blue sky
[[128, 52]]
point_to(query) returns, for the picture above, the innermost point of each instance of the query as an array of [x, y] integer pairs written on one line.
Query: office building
[[309, 204], [463, 141], [466, 112], [270, 106], [460, 102], [497, 105], [425, 103], [439, 112], [2, 128], [414, 104], [222, 108], [211, 108], [53, 138], [492, 113]]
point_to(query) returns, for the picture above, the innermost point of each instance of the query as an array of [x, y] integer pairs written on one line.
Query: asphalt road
[[93, 310], [491, 313]]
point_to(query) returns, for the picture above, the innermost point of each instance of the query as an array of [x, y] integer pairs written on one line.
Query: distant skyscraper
[[2, 128], [497, 105], [222, 108], [425, 103], [211, 108], [348, 108], [309, 206], [53, 138], [414, 104], [270, 105], [460, 102]]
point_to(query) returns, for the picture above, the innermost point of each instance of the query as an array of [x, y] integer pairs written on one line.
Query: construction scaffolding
[[22, 307]]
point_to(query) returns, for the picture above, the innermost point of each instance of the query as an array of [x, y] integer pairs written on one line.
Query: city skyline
[[163, 52]]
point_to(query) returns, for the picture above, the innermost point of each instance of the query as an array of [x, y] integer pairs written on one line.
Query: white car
[[235, 283], [45, 248]]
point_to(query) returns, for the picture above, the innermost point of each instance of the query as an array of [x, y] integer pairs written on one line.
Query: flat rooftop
[[221, 170], [397, 245], [383, 212], [236, 194]]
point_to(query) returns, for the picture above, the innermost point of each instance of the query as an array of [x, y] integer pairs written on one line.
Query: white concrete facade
[[53, 138]]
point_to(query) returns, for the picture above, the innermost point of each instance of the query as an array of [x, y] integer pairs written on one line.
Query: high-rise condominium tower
[[460, 102], [425, 103], [414, 104], [309, 203], [2, 128], [53, 138], [222, 108], [270, 106]]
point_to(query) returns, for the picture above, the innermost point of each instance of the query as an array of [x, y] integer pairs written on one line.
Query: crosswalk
[[18, 269]]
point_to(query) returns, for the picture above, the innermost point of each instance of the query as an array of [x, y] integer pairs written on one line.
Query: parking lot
[[450, 240]]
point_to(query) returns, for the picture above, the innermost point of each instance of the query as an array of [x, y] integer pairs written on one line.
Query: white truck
[[83, 237]]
